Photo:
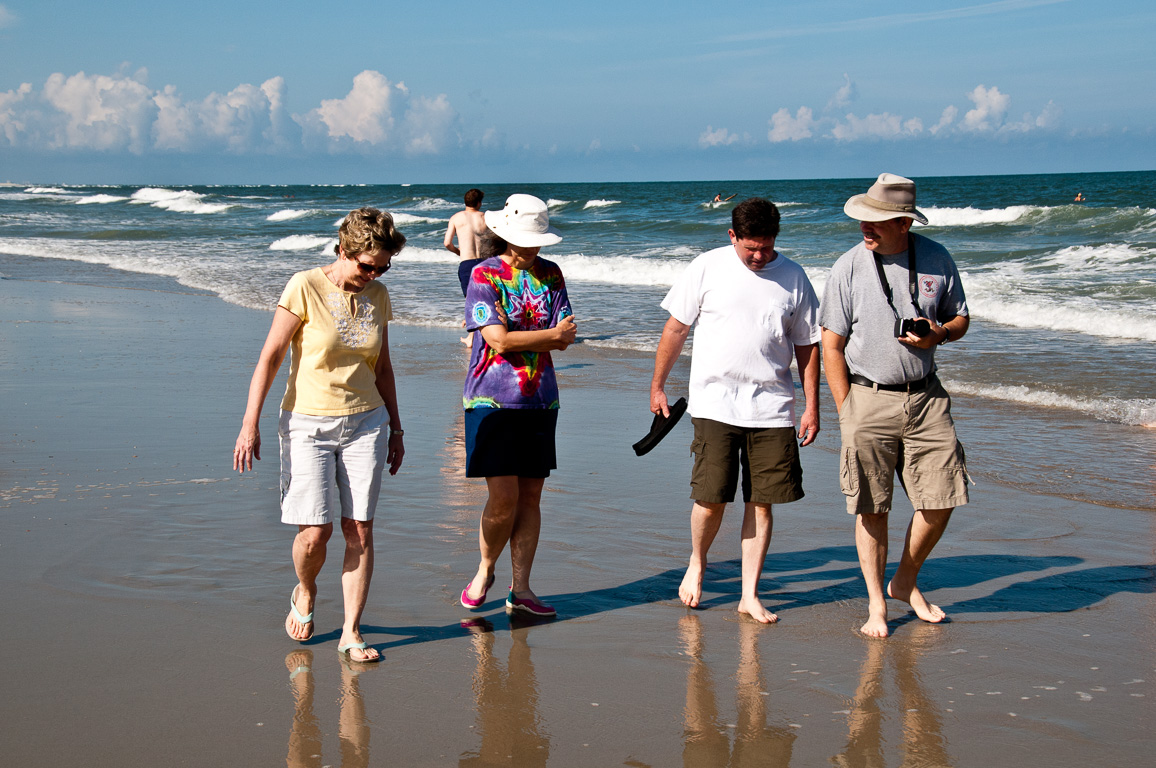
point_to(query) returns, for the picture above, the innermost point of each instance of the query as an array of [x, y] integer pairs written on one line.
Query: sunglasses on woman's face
[[370, 269]]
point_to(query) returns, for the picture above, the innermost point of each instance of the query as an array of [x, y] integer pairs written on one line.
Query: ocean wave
[[292, 213], [47, 191], [409, 218], [1140, 413], [303, 243], [967, 217], [1075, 262], [600, 203], [414, 255], [552, 203], [1064, 315], [435, 204], [100, 199], [177, 200], [623, 270]]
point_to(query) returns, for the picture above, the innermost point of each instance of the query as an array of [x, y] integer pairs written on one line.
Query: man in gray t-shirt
[[884, 312]]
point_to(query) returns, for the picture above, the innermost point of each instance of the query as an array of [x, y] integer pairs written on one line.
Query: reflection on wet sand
[[352, 723], [706, 743], [462, 496], [923, 742], [508, 723]]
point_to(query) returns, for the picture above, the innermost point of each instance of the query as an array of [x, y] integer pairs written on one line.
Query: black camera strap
[[912, 277]]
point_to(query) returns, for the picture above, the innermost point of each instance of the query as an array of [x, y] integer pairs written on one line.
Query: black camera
[[917, 325]]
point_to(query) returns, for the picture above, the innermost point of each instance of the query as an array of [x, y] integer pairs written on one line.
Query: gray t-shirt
[[855, 306]]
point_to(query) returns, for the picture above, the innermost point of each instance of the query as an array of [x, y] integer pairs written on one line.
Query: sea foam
[[303, 243], [967, 217], [100, 199], [291, 213], [600, 203], [1140, 412], [177, 200]]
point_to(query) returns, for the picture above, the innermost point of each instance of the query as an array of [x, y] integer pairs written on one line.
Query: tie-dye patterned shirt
[[523, 300]]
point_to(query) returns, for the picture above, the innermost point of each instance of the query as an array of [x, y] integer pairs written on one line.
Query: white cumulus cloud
[[380, 114], [847, 93], [787, 128], [990, 109], [720, 138], [246, 119], [876, 126], [945, 119], [988, 116], [123, 113]]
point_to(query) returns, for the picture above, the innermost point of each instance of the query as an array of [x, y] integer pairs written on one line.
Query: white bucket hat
[[890, 197], [525, 222]]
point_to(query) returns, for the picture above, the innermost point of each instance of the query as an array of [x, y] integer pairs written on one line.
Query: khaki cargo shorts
[[909, 431]]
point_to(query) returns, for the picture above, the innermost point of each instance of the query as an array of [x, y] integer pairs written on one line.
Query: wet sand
[[147, 585]]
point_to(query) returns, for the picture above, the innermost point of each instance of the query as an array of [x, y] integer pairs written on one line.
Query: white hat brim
[[519, 237], [858, 208]]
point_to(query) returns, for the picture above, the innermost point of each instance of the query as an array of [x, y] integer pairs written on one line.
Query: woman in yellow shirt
[[339, 422]]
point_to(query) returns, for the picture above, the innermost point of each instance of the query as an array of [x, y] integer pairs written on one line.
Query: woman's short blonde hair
[[368, 229]]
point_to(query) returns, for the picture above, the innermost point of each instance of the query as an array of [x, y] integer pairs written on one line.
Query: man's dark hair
[[755, 217], [474, 198]]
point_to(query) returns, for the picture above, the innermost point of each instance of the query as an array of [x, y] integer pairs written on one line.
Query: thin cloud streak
[[893, 20]]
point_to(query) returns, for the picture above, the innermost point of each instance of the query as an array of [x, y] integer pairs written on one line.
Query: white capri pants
[[330, 463]]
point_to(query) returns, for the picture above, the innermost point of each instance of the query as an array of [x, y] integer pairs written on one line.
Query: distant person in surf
[[339, 425], [466, 227], [888, 304], [719, 198], [1080, 197], [755, 310]]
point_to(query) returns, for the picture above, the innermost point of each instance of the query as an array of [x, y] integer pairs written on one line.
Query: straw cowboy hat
[[890, 197], [525, 222]]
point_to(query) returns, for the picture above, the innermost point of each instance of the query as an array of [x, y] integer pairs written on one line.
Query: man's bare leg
[[705, 519], [871, 543], [927, 526], [356, 573], [495, 528], [756, 538], [524, 536], [308, 557]]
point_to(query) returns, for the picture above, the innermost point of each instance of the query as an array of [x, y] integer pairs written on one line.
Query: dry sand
[[146, 586]]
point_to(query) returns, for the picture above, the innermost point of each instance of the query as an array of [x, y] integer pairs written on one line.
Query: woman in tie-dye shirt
[[518, 310]]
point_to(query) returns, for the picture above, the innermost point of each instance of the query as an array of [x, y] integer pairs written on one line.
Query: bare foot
[[296, 628], [930, 613], [357, 654], [690, 591], [876, 625], [753, 608]]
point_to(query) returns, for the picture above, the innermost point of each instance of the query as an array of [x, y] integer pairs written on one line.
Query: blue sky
[[250, 91]]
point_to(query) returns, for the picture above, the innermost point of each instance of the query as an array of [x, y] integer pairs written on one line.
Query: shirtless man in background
[[467, 226]]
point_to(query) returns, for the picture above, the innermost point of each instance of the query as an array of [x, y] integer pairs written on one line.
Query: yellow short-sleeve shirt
[[334, 353]]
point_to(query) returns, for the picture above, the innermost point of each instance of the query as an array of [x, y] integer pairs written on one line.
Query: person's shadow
[[831, 574]]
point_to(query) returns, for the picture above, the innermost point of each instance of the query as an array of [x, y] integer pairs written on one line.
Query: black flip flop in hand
[[661, 427]]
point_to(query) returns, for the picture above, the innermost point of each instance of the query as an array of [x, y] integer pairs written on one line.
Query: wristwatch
[[398, 432]]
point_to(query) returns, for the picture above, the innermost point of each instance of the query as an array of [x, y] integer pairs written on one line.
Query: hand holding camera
[[916, 326]]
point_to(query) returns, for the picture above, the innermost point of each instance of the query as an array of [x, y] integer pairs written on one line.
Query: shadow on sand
[[830, 574]]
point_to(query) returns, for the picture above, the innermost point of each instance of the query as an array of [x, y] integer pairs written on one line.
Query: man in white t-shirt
[[755, 310]]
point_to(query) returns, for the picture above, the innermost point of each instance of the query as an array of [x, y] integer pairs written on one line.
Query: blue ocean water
[[1054, 383]]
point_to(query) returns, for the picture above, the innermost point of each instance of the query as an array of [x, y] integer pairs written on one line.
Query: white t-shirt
[[749, 324]]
